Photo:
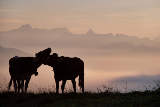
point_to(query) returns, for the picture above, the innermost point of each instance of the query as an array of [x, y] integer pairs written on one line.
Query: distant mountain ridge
[[27, 36], [28, 27], [11, 51], [7, 53]]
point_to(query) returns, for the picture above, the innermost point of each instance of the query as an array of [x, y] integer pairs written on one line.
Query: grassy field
[[88, 99]]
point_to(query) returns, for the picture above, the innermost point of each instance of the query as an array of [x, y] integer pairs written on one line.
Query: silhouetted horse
[[22, 68], [66, 68]]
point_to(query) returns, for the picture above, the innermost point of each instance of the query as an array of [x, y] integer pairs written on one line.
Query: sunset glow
[[117, 39], [138, 17]]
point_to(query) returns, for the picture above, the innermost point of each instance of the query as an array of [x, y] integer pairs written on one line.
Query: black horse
[[22, 68], [66, 68]]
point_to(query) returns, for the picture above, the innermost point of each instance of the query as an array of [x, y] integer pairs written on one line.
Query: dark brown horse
[[66, 68], [22, 68]]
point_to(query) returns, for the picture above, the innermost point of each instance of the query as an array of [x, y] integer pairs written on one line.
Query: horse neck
[[37, 63], [57, 66]]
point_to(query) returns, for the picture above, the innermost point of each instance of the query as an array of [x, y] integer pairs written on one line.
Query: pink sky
[[138, 17]]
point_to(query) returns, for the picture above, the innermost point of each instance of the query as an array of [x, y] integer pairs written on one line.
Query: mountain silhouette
[[26, 35], [6, 53], [25, 27], [90, 32]]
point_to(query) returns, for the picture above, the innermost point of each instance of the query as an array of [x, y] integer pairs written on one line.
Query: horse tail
[[10, 71], [81, 78]]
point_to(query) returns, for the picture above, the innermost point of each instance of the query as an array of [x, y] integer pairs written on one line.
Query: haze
[[119, 41]]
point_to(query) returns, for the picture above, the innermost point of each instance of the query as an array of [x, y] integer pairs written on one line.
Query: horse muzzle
[[36, 73]]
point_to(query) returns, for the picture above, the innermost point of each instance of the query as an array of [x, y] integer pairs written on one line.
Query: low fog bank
[[136, 83]]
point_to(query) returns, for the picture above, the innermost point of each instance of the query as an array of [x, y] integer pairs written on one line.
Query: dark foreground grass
[[109, 99]]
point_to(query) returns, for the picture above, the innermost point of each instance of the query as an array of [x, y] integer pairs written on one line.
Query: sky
[[132, 17]]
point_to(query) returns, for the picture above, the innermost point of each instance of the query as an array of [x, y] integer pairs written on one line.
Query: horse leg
[[22, 86], [15, 85], [83, 89], [26, 83], [74, 85], [63, 85], [57, 86], [10, 83], [19, 85]]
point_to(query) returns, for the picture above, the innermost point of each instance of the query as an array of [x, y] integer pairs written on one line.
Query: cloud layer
[[26, 36]]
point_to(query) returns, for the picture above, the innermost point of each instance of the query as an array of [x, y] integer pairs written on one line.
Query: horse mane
[[44, 52]]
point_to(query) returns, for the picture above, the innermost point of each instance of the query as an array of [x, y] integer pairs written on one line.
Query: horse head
[[42, 55], [51, 59]]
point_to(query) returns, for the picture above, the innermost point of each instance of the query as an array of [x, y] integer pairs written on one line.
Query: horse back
[[68, 68], [20, 65]]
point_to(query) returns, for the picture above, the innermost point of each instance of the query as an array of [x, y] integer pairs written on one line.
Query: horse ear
[[49, 49], [55, 55]]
